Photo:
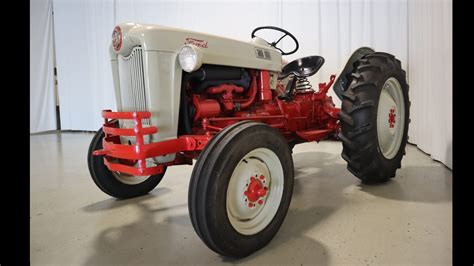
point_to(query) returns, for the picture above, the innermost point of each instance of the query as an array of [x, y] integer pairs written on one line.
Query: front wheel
[[241, 189], [116, 184], [374, 117]]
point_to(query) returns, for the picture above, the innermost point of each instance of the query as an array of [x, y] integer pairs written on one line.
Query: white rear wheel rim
[[251, 220], [390, 118]]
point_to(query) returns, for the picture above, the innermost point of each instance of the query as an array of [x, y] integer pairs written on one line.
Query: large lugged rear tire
[[241, 188], [116, 184], [375, 117]]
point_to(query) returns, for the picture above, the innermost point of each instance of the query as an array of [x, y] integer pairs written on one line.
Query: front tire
[[118, 185], [375, 117], [241, 188]]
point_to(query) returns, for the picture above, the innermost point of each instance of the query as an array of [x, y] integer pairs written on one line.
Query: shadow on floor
[[137, 243], [151, 242], [416, 184], [290, 245], [412, 183], [113, 203], [320, 179]]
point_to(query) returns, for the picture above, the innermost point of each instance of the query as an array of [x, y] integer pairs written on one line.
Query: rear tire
[[375, 117], [117, 185], [343, 79], [229, 221]]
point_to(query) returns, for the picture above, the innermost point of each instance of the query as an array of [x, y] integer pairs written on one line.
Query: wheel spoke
[[275, 43]]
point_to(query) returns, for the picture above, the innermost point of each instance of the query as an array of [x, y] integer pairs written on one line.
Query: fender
[[342, 82]]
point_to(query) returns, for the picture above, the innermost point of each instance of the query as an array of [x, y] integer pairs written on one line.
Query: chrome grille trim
[[132, 82]]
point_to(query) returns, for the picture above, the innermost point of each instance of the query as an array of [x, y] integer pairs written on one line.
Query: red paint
[[205, 107], [309, 116], [230, 96], [141, 151], [323, 88], [226, 92], [313, 134], [391, 118], [227, 89], [252, 93], [264, 91], [255, 190]]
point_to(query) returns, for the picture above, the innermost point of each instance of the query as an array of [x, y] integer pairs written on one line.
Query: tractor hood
[[214, 49]]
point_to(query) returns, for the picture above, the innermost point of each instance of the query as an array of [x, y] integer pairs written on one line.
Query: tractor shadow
[[427, 182], [152, 236], [430, 184], [172, 240], [113, 203], [315, 198], [166, 236]]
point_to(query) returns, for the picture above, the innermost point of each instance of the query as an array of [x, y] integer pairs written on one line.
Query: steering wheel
[[273, 44]]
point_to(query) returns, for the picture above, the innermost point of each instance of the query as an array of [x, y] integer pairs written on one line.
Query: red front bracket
[[113, 150]]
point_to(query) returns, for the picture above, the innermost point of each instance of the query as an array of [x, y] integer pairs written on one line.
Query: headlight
[[190, 58]]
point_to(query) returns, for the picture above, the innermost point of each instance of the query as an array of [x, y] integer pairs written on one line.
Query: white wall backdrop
[[82, 33], [430, 77], [332, 29], [42, 97]]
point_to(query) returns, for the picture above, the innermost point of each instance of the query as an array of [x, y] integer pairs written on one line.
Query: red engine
[[301, 115], [215, 97]]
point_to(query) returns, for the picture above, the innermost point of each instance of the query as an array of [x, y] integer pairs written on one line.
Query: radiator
[[132, 83]]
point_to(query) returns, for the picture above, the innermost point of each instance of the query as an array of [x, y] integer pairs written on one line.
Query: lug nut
[[261, 192]]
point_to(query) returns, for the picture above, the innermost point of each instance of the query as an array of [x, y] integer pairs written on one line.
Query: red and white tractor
[[236, 109]]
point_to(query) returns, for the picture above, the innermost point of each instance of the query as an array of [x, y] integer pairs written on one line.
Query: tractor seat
[[302, 67]]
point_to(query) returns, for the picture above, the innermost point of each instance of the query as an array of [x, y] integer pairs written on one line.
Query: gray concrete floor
[[333, 218]]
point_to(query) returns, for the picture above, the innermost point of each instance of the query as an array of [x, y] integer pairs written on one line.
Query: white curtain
[[332, 29], [82, 34], [42, 97], [430, 77]]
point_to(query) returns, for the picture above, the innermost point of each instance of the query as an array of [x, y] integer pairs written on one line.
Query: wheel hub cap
[[256, 191], [390, 118]]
